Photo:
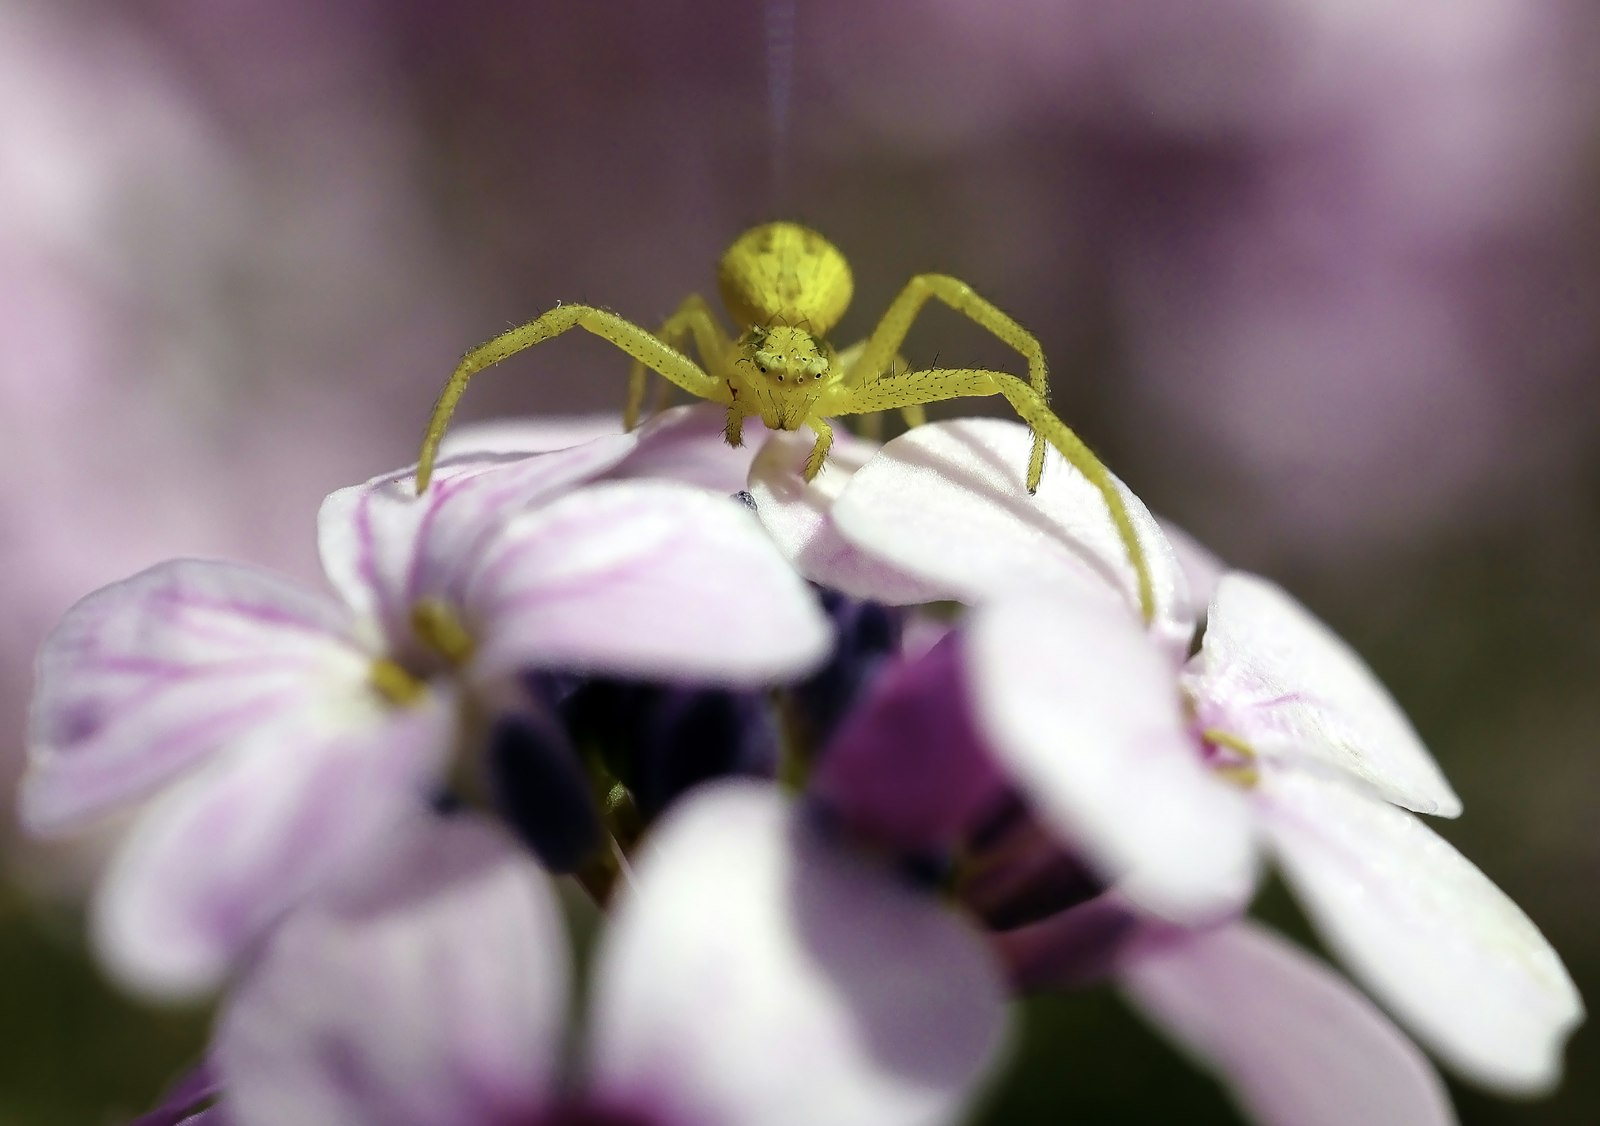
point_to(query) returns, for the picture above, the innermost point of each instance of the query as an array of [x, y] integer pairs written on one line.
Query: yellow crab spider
[[787, 286]]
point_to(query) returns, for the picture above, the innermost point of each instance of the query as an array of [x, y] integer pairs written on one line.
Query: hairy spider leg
[[819, 452], [884, 343], [936, 384], [693, 319], [733, 429], [637, 342], [872, 422]]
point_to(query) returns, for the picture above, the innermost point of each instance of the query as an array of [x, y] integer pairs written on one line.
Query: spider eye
[[761, 367]]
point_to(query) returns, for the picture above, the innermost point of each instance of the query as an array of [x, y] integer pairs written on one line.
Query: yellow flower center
[[395, 684], [1241, 771], [439, 628], [442, 635]]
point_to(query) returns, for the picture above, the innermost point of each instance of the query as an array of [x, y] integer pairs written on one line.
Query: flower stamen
[[395, 684], [438, 627], [1231, 758]]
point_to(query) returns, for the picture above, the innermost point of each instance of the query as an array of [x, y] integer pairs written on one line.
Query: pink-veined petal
[[1444, 948], [684, 443], [527, 435], [147, 677], [436, 997], [1282, 681], [383, 547], [758, 972], [1083, 712], [643, 578], [1292, 1040], [946, 503], [211, 865], [797, 514], [687, 444]]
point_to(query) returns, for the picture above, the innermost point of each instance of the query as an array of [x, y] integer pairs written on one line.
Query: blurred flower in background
[[1316, 276], [202, 309], [1341, 248]]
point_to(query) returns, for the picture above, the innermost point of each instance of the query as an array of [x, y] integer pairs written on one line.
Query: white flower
[[1174, 775], [280, 729], [751, 974]]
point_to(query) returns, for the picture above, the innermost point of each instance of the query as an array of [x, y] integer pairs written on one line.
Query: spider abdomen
[[783, 273]]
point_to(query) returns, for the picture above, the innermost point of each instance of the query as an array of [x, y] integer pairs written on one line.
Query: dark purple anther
[[539, 786], [868, 634], [659, 740]]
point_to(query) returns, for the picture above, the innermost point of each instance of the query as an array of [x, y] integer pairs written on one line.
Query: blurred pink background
[[1318, 277]]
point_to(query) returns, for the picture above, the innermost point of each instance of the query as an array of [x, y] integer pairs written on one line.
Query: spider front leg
[[879, 352], [693, 319], [639, 343], [871, 425], [819, 452], [733, 429], [937, 384]]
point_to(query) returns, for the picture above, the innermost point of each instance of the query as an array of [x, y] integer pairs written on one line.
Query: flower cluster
[[846, 765]]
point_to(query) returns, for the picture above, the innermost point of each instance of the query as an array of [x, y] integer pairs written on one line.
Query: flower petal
[[214, 1115], [1295, 1044], [798, 515], [1445, 949], [687, 444], [1200, 565], [437, 998], [945, 502], [1071, 949], [527, 435], [210, 865], [907, 770], [757, 972], [1285, 683], [684, 443], [147, 677], [383, 546], [642, 578], [181, 1103], [1083, 711]]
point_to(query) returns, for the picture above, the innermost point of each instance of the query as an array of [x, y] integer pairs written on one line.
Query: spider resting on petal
[[787, 286]]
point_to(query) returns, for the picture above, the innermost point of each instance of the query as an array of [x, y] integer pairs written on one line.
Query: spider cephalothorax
[[782, 369], [785, 286]]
